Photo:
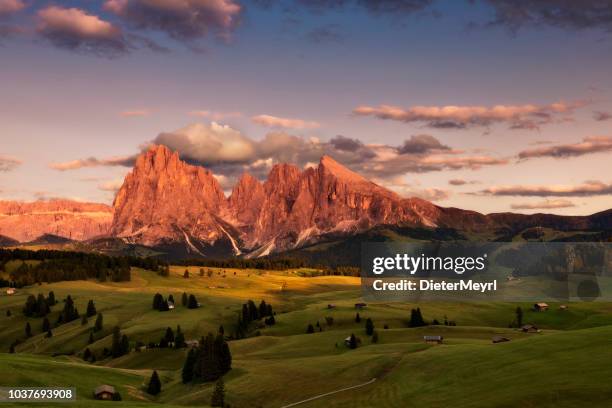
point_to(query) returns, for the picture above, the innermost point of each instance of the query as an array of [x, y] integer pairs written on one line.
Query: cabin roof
[[104, 388]]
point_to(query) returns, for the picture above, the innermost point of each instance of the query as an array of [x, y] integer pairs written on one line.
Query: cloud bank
[[544, 205], [8, 163], [283, 123], [462, 117], [587, 189], [76, 30], [589, 145]]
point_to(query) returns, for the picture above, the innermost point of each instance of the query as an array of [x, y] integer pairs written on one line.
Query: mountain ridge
[[165, 202]]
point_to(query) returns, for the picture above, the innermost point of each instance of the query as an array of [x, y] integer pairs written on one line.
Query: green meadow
[[566, 364]]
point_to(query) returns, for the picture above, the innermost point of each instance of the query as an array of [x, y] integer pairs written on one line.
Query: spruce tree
[[91, 309], [91, 337], [99, 322], [154, 387], [375, 337], [310, 329], [187, 373], [221, 330], [46, 326], [224, 356], [49, 334], [170, 298], [51, 299], [193, 302], [353, 341], [8, 313], [186, 274], [357, 318], [12, 348], [184, 299], [369, 327], [116, 344], [28, 330], [179, 338], [169, 335], [87, 354], [84, 320], [218, 395], [125, 345], [263, 309], [519, 316], [157, 301]]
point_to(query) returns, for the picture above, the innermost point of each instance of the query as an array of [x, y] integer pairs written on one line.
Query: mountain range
[[179, 208]]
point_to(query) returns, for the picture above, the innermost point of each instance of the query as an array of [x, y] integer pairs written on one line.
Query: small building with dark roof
[[433, 339], [104, 392]]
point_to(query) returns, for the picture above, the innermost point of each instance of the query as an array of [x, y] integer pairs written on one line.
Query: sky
[[487, 105]]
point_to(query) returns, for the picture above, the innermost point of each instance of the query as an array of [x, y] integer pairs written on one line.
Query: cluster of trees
[[277, 264], [121, 343], [209, 362], [163, 305], [170, 339], [416, 318], [252, 313], [39, 306], [55, 266]]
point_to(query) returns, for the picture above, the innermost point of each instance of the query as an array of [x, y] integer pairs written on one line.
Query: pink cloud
[[588, 188], [285, 123], [135, 113], [515, 116], [11, 6], [544, 205], [589, 145]]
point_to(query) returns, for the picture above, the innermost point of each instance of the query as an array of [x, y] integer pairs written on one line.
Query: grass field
[[567, 364]]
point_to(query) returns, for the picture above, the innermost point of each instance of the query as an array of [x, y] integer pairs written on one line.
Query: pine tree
[[193, 302], [91, 309], [8, 313], [116, 345], [12, 348], [84, 320], [125, 345], [169, 335], [188, 366], [353, 341], [221, 330], [184, 299], [201, 271], [186, 274], [154, 387], [157, 301], [171, 298], [28, 330], [224, 355], [42, 306], [263, 309], [87, 354], [49, 334], [99, 322], [91, 337], [310, 329], [179, 338], [218, 395], [369, 327], [519, 316], [51, 299], [357, 318], [375, 337], [46, 326]]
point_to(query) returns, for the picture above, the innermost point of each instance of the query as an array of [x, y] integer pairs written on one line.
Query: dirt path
[[329, 393]]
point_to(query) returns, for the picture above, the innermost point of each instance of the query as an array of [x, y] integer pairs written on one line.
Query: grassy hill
[[566, 364]]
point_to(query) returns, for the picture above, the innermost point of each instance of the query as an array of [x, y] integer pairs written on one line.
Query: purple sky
[[483, 105]]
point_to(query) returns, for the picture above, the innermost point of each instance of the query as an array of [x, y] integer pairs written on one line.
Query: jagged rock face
[[166, 200], [69, 219], [246, 201], [329, 199]]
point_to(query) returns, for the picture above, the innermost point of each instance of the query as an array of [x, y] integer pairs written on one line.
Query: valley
[[280, 364]]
